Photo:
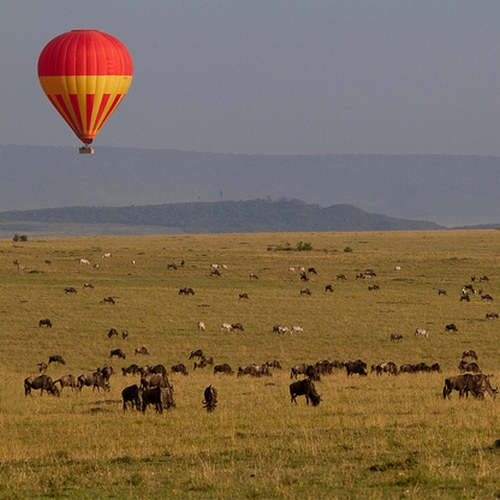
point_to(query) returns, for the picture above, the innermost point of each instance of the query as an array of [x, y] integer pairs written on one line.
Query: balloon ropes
[[85, 74]]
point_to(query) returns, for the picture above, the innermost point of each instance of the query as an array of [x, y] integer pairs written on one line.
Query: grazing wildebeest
[[469, 354], [215, 272], [298, 370], [396, 337], [45, 322], [42, 382], [460, 383], [484, 278], [172, 265], [311, 270], [124, 334], [328, 288], [486, 296], [43, 366], [160, 397], [422, 367], [451, 327], [196, 354], [70, 289], [154, 380], [243, 296], [158, 369], [274, 364], [200, 363], [297, 329], [326, 367], [106, 371], [421, 332], [407, 368], [67, 381], [88, 285], [224, 368], [132, 395], [464, 366], [305, 388], [373, 287], [341, 277], [48, 262], [133, 369], [389, 367], [201, 326], [57, 358], [210, 398], [92, 379], [253, 276], [179, 368], [436, 368], [358, 366], [248, 370], [303, 276], [480, 387], [442, 291], [237, 326], [491, 315], [108, 300], [112, 331], [118, 353], [465, 296], [141, 350], [305, 291], [186, 291]]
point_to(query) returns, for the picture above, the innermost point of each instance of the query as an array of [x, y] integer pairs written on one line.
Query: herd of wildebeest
[[154, 387]]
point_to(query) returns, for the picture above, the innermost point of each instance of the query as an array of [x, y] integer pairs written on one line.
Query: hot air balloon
[[85, 74]]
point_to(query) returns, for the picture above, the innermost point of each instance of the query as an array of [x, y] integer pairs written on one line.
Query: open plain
[[370, 437]]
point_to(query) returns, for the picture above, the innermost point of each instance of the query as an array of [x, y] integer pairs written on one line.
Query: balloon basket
[[85, 150]]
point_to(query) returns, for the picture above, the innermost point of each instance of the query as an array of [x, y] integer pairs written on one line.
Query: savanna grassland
[[371, 437]]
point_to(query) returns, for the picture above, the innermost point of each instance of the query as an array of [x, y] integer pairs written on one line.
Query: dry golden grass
[[374, 437]]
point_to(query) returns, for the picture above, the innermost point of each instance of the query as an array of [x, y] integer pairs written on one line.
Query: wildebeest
[[491, 315], [96, 380], [328, 288], [88, 285], [305, 388], [172, 265], [312, 270], [196, 354], [442, 291], [469, 354], [201, 363], [45, 322], [160, 397], [305, 291], [42, 382], [57, 358], [186, 291], [373, 287], [484, 278], [70, 289], [106, 371], [118, 353], [303, 276], [486, 296], [124, 334], [478, 384], [132, 395], [108, 300], [253, 276], [254, 370], [298, 370], [465, 296], [141, 350], [388, 367], [154, 380], [133, 369], [67, 381], [464, 366], [355, 367], [179, 368], [274, 363], [112, 331], [421, 332], [243, 296], [396, 337], [210, 398], [224, 368], [43, 366], [341, 277], [237, 326], [451, 327], [481, 387], [215, 272]]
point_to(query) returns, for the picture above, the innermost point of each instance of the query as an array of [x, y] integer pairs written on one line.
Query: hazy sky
[[273, 76]]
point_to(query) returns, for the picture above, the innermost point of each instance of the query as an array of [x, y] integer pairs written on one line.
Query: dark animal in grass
[[243, 296], [179, 368], [45, 322], [480, 387], [132, 369], [159, 397], [108, 300], [141, 350], [442, 291], [312, 270], [274, 363], [451, 327], [388, 367], [253, 276], [118, 353], [470, 354], [305, 388], [436, 368], [355, 367], [298, 370], [305, 291], [57, 358], [491, 315], [124, 334], [67, 381], [172, 265], [158, 369], [254, 370], [341, 277], [201, 363], [465, 296], [94, 380], [70, 289], [112, 332], [484, 278], [42, 382], [106, 371], [237, 326], [196, 354], [303, 276], [210, 398], [464, 366], [396, 337], [42, 367], [478, 384], [407, 368], [186, 291], [373, 287], [88, 285], [486, 296], [132, 395], [154, 380], [224, 368], [328, 288]]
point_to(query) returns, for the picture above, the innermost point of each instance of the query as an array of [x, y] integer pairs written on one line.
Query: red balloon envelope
[[85, 74]]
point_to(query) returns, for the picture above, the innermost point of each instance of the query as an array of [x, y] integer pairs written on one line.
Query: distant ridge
[[223, 217]]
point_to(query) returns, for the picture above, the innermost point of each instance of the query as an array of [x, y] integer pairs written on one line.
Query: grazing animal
[[274, 364], [328, 288], [355, 367], [486, 296], [154, 380], [42, 382], [67, 381], [215, 272], [305, 291], [421, 332], [196, 354], [133, 369], [465, 296], [243, 296], [298, 370], [226, 326], [186, 291], [108, 300], [341, 277], [460, 383], [118, 353], [303, 276], [45, 322], [201, 326], [200, 363], [480, 387], [442, 291], [253, 276], [305, 388], [172, 265], [390, 368], [311, 270], [436, 368], [237, 326], [88, 285], [94, 380], [484, 278], [112, 331], [396, 337], [106, 255], [210, 398], [106, 371], [70, 289], [397, 268], [179, 368], [491, 315], [141, 350], [48, 262], [124, 334], [160, 397], [57, 358], [470, 354], [464, 366], [224, 368], [132, 395], [451, 327], [42, 367], [373, 287]]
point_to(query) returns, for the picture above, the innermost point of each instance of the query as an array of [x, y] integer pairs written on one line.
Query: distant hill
[[449, 190], [219, 217]]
